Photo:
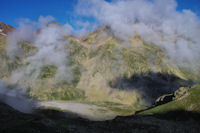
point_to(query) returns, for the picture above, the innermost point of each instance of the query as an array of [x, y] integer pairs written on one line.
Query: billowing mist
[[50, 44], [15, 97], [47, 47], [156, 21]]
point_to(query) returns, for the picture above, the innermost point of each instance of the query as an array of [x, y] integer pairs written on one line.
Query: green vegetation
[[77, 51], [2, 46], [67, 92], [135, 61], [187, 102], [50, 89], [191, 75], [76, 75], [61, 91], [122, 111], [48, 71], [6, 64], [107, 51], [119, 109], [27, 48]]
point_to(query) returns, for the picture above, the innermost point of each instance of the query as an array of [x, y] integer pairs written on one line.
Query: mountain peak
[[5, 29], [54, 23]]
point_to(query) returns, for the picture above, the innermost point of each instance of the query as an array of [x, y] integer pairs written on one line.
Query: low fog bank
[[15, 98]]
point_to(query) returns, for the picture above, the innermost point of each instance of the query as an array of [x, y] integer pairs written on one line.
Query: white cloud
[[156, 21], [51, 49]]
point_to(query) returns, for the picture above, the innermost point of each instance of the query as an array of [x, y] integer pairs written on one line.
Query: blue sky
[[11, 10], [62, 10]]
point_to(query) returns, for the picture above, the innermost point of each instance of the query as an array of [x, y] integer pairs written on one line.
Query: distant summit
[[49, 24], [54, 22], [5, 29]]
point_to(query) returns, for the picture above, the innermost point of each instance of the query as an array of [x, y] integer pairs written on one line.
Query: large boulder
[[164, 99], [181, 92]]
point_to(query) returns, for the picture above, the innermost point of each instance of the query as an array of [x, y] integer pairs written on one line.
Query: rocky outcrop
[[181, 92], [164, 99]]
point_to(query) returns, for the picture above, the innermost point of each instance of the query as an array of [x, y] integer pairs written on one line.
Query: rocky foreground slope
[[179, 116]]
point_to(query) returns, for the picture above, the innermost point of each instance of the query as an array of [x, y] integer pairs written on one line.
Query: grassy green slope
[[188, 102]]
